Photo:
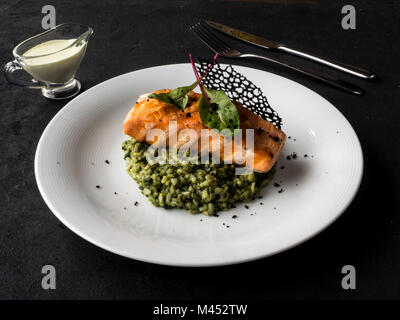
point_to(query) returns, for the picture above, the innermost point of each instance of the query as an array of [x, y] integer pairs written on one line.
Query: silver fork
[[224, 50]]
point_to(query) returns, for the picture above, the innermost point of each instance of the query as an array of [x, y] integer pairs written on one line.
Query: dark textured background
[[147, 33]]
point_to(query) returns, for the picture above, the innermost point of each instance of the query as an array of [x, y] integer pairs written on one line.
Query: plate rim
[[129, 255]]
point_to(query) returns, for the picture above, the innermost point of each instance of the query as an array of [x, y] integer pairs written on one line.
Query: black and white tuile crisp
[[238, 88]]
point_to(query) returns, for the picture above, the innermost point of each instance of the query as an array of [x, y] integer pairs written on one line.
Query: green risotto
[[197, 188]]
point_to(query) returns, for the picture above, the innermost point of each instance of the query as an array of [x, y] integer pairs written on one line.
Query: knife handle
[[338, 83], [358, 72]]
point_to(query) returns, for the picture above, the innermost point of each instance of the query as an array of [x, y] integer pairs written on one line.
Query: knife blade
[[244, 36], [268, 44]]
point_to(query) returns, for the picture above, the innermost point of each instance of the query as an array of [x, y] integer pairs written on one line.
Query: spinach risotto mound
[[197, 188]]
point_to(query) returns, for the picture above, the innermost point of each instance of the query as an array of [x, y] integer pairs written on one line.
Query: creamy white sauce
[[54, 61]]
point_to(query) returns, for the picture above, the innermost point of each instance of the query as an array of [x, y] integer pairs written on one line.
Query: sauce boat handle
[[10, 70]]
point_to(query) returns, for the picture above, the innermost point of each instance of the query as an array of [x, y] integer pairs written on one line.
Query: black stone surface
[[148, 33]]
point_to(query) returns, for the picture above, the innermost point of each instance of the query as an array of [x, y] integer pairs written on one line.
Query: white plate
[[70, 162]]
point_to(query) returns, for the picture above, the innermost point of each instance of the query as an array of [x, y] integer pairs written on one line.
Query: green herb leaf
[[164, 97], [219, 112], [178, 97], [181, 103], [180, 92]]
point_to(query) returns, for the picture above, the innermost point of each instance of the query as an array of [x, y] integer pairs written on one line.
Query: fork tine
[[221, 43], [209, 44], [216, 45], [209, 39]]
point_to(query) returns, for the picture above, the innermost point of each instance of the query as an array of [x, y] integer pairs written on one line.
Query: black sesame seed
[[136, 203], [280, 191], [246, 206], [108, 162], [277, 185], [98, 187], [288, 157], [234, 216], [261, 203], [283, 167]]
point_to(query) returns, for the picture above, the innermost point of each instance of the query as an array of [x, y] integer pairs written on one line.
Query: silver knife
[[268, 44]]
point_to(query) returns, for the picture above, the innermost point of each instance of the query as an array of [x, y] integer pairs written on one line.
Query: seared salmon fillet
[[148, 113]]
